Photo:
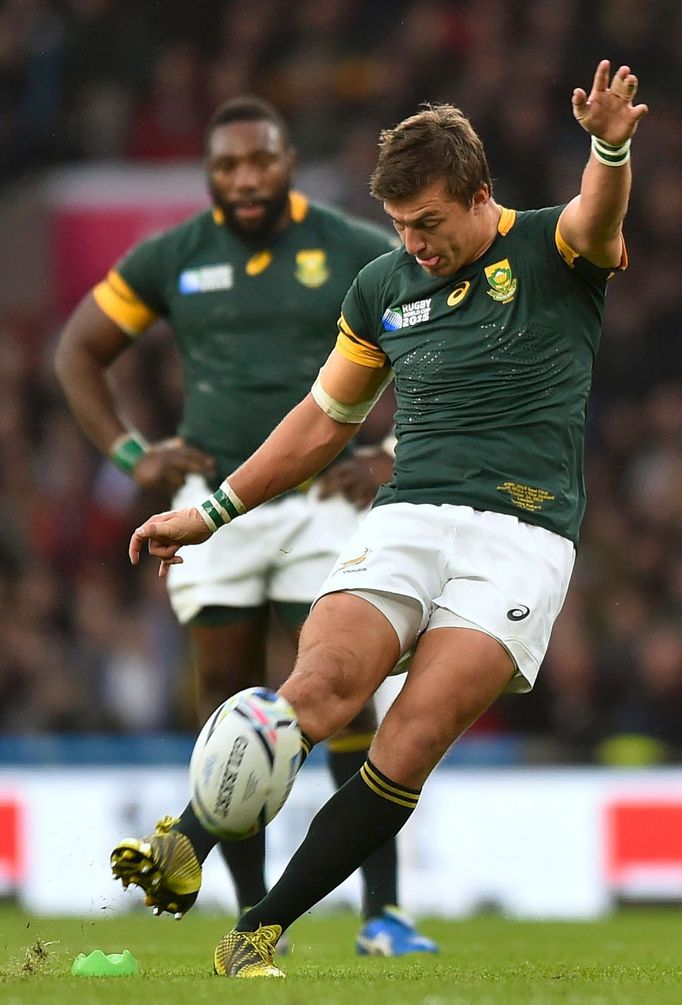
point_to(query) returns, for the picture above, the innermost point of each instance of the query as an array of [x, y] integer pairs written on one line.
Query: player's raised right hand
[[165, 534]]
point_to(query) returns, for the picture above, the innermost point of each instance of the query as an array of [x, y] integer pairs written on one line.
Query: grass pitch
[[634, 957]]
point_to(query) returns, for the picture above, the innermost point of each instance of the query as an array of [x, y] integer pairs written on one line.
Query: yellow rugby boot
[[164, 865], [248, 954]]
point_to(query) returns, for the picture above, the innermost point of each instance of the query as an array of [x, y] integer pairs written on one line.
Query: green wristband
[[126, 451], [221, 508], [609, 155]]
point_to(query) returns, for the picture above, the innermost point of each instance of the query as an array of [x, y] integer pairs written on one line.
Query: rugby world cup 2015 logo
[[408, 315], [392, 320], [503, 284]]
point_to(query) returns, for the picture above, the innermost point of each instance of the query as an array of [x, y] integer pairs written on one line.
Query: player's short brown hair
[[437, 143]]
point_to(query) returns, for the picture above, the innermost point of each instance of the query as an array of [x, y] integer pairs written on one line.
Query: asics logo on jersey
[[459, 293], [258, 263], [518, 613]]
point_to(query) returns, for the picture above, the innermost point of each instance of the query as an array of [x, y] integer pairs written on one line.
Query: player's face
[[441, 233], [249, 176]]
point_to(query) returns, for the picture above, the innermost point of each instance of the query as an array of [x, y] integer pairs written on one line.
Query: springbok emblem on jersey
[[503, 283], [311, 268]]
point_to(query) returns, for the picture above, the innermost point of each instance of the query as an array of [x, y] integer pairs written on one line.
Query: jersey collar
[[506, 221], [298, 207]]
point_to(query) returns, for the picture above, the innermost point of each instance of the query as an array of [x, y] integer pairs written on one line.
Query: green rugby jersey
[[253, 322], [493, 367]]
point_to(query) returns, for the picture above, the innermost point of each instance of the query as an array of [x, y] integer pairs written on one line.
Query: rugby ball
[[244, 763]]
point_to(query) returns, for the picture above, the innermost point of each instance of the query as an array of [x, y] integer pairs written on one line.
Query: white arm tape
[[389, 443], [346, 413]]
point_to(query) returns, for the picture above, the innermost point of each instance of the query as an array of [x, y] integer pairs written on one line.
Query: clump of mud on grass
[[38, 959]]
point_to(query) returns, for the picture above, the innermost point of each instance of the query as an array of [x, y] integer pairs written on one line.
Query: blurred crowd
[[88, 644]]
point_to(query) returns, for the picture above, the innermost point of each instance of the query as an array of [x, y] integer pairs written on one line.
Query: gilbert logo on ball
[[244, 763]]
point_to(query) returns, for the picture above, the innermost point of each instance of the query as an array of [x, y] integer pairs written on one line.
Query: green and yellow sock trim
[[350, 744], [306, 746], [384, 787]]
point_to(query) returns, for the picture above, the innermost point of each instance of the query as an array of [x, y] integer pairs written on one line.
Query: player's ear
[[481, 197], [292, 158]]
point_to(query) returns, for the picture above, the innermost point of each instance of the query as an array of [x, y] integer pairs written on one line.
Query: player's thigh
[[507, 579], [229, 656], [455, 675], [284, 628], [347, 648]]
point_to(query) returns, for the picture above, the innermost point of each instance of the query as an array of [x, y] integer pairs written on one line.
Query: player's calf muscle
[[409, 755]]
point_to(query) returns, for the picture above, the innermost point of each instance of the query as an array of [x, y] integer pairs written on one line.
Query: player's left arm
[[307, 439], [591, 224]]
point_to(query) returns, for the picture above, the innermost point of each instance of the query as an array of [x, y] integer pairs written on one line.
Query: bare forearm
[[604, 196], [89, 396], [89, 344], [591, 223], [304, 443]]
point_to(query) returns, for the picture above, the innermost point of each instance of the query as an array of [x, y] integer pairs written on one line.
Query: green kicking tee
[[492, 369], [253, 321]]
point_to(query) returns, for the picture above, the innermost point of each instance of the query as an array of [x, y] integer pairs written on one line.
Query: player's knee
[[324, 689]]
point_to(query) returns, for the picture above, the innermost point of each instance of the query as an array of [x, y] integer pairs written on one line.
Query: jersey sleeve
[[592, 275], [132, 292], [584, 267], [355, 340]]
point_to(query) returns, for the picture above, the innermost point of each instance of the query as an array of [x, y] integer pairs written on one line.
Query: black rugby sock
[[246, 861], [380, 870], [359, 818], [202, 841]]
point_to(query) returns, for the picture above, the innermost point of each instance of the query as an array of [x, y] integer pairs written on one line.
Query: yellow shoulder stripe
[[569, 255], [506, 221], [357, 349], [298, 205], [564, 249], [120, 303]]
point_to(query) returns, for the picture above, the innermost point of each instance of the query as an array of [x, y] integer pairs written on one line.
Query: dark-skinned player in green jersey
[[489, 320], [251, 290]]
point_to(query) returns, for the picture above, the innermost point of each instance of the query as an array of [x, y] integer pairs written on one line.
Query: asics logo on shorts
[[518, 613]]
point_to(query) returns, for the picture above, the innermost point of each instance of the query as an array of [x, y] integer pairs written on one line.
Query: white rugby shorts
[[465, 569], [281, 551]]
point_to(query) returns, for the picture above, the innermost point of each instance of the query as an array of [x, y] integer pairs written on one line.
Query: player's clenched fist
[[165, 534]]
